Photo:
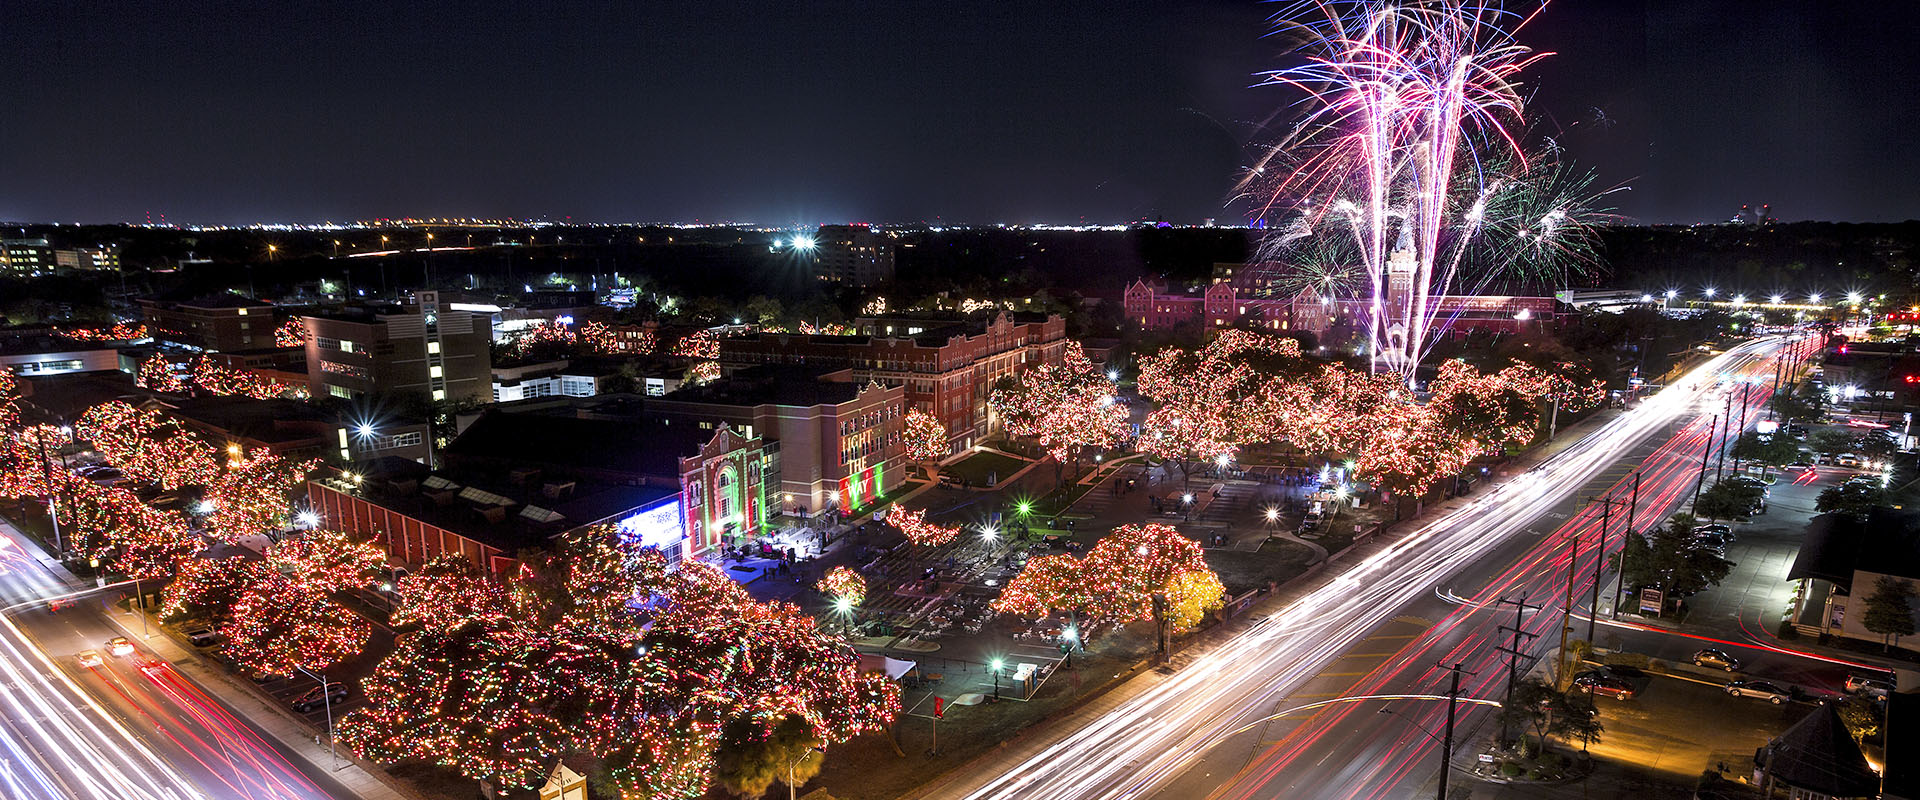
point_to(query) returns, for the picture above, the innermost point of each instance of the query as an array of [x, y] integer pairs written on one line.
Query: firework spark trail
[[1399, 97]]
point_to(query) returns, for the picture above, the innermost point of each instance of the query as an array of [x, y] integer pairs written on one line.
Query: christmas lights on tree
[[918, 530], [600, 651]]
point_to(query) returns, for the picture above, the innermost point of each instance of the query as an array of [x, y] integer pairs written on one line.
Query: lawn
[[979, 467]]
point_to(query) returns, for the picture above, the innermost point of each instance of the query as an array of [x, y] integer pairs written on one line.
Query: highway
[[1176, 737], [129, 729]]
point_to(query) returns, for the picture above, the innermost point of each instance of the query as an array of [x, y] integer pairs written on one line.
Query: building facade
[[26, 256], [1225, 304], [947, 368], [417, 348], [839, 439], [854, 255], [223, 322], [102, 257]]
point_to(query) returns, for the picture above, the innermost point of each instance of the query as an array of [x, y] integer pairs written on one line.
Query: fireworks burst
[[1408, 152]]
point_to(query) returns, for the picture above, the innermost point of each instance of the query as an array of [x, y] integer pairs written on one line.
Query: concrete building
[[293, 429], [30, 356], [26, 256], [854, 255], [417, 348], [220, 322], [549, 379], [102, 257], [947, 365]]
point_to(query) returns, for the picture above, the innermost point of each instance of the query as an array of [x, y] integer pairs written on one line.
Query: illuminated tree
[[211, 378], [926, 439], [250, 497], [1117, 580], [1064, 407], [918, 530], [158, 374], [600, 651], [208, 587], [447, 593], [327, 561], [279, 626], [842, 583], [292, 333]]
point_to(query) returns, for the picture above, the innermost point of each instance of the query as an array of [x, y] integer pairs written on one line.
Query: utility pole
[[1599, 560], [1566, 616], [1446, 745], [1520, 609], [1725, 430], [1705, 456], [1620, 588]]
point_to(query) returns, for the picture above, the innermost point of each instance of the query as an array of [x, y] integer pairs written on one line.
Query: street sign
[[1652, 601]]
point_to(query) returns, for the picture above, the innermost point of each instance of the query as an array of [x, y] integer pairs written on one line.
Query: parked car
[[1718, 659], [1848, 460], [1714, 535], [1600, 683], [1799, 466], [203, 637], [119, 646], [107, 477], [1876, 687], [1770, 692], [91, 659], [312, 700]]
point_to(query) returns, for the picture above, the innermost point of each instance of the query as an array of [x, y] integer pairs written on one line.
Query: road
[[129, 729], [1176, 738]]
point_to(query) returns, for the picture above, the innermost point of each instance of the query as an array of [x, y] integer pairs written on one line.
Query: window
[[243, 312], [433, 347], [438, 394], [434, 371], [340, 391], [326, 342], [346, 345]]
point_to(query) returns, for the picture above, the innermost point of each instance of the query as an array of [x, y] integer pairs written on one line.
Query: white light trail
[[1153, 736]]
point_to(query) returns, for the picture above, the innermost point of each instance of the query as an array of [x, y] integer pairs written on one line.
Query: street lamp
[[1710, 291], [996, 666]]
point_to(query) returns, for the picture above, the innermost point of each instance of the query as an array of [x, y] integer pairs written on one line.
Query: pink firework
[[1399, 97]]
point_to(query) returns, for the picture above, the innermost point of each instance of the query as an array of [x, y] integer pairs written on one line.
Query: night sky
[[897, 111]]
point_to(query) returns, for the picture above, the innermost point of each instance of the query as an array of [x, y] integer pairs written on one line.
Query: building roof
[[532, 508], [774, 384], [269, 421], [66, 397], [228, 300], [1819, 755], [1835, 545], [636, 447]]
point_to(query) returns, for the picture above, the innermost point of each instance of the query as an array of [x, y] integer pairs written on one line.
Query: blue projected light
[[660, 526]]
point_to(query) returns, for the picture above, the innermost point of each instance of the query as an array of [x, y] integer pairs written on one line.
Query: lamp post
[[996, 666], [326, 697]]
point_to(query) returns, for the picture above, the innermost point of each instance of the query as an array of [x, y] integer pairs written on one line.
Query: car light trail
[[1670, 474], [1149, 738], [56, 741]]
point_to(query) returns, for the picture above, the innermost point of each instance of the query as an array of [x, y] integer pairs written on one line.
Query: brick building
[[947, 366], [221, 322], [839, 437]]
